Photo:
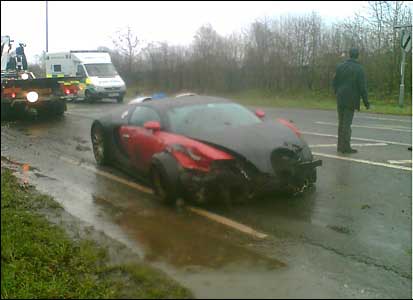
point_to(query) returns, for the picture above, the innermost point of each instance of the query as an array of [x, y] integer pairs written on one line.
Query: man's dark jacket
[[350, 85]]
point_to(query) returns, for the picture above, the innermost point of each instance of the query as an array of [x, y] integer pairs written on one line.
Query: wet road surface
[[349, 238]]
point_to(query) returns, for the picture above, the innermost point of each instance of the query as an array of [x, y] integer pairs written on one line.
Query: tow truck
[[22, 92]]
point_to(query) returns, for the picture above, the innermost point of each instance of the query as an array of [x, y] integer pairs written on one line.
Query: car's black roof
[[167, 103]]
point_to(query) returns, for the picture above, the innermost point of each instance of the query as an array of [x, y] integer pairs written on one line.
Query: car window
[[207, 118], [141, 115]]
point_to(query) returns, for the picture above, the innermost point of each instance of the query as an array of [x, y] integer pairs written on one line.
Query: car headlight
[[32, 96], [25, 76]]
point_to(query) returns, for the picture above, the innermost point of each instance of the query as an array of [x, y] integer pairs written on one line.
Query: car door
[[140, 143]]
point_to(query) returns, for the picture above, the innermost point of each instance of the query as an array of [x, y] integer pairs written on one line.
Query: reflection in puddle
[[184, 240], [180, 239]]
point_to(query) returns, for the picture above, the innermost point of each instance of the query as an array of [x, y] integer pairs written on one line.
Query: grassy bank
[[39, 260], [309, 100], [314, 101]]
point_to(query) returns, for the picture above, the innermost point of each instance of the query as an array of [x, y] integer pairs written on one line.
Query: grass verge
[[307, 100], [39, 260], [315, 101]]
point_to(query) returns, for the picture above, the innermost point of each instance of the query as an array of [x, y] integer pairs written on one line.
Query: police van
[[98, 77]]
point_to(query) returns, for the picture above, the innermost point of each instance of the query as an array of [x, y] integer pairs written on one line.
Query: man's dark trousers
[[345, 119]]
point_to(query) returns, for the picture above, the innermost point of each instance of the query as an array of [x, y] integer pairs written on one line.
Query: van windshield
[[101, 70]]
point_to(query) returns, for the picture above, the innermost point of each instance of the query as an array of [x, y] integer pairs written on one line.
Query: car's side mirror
[[152, 125], [260, 113]]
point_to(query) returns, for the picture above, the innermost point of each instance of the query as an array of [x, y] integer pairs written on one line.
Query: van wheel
[[119, 99], [89, 97]]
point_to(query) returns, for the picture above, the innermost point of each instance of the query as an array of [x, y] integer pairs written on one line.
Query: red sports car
[[203, 147]]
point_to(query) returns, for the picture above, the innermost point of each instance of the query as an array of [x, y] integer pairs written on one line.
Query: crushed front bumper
[[240, 184]]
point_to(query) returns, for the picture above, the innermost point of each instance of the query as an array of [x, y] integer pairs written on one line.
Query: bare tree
[[126, 43]]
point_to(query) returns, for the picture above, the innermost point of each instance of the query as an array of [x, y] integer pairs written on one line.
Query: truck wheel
[[99, 145], [5, 112], [119, 99], [60, 109]]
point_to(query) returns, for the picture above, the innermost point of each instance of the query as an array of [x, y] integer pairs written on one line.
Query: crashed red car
[[202, 147]]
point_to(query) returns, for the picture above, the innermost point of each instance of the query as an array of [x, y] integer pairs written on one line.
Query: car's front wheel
[[162, 184], [98, 142]]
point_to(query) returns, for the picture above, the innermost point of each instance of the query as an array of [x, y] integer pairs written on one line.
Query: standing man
[[349, 86]]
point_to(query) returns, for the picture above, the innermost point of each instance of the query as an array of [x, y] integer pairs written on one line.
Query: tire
[[119, 99], [99, 144], [5, 112], [89, 97], [60, 108], [163, 186]]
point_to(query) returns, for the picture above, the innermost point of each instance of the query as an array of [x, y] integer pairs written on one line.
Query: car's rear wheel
[[162, 187], [98, 142]]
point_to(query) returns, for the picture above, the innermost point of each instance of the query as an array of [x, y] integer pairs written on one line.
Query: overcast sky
[[87, 25]]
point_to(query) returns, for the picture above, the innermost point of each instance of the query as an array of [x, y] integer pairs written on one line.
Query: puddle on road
[[182, 239], [162, 234]]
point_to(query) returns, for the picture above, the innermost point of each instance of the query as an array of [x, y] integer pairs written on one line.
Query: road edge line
[[228, 222]]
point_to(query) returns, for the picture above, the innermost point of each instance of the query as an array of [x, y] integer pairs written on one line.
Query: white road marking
[[214, 217], [356, 145], [355, 138], [399, 128], [363, 161], [384, 119], [401, 162]]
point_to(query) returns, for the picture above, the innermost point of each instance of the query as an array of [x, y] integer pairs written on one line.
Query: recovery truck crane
[[22, 92]]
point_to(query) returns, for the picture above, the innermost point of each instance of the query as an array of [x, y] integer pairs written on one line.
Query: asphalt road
[[349, 238]]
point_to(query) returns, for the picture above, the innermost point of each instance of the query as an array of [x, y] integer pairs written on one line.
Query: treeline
[[279, 55]]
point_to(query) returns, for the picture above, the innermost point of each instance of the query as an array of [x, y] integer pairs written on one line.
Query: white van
[[99, 78]]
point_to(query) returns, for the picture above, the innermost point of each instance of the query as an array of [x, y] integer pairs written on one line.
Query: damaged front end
[[226, 180], [238, 180], [294, 169]]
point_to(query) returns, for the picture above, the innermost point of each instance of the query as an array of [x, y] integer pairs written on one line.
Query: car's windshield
[[207, 118], [101, 70]]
